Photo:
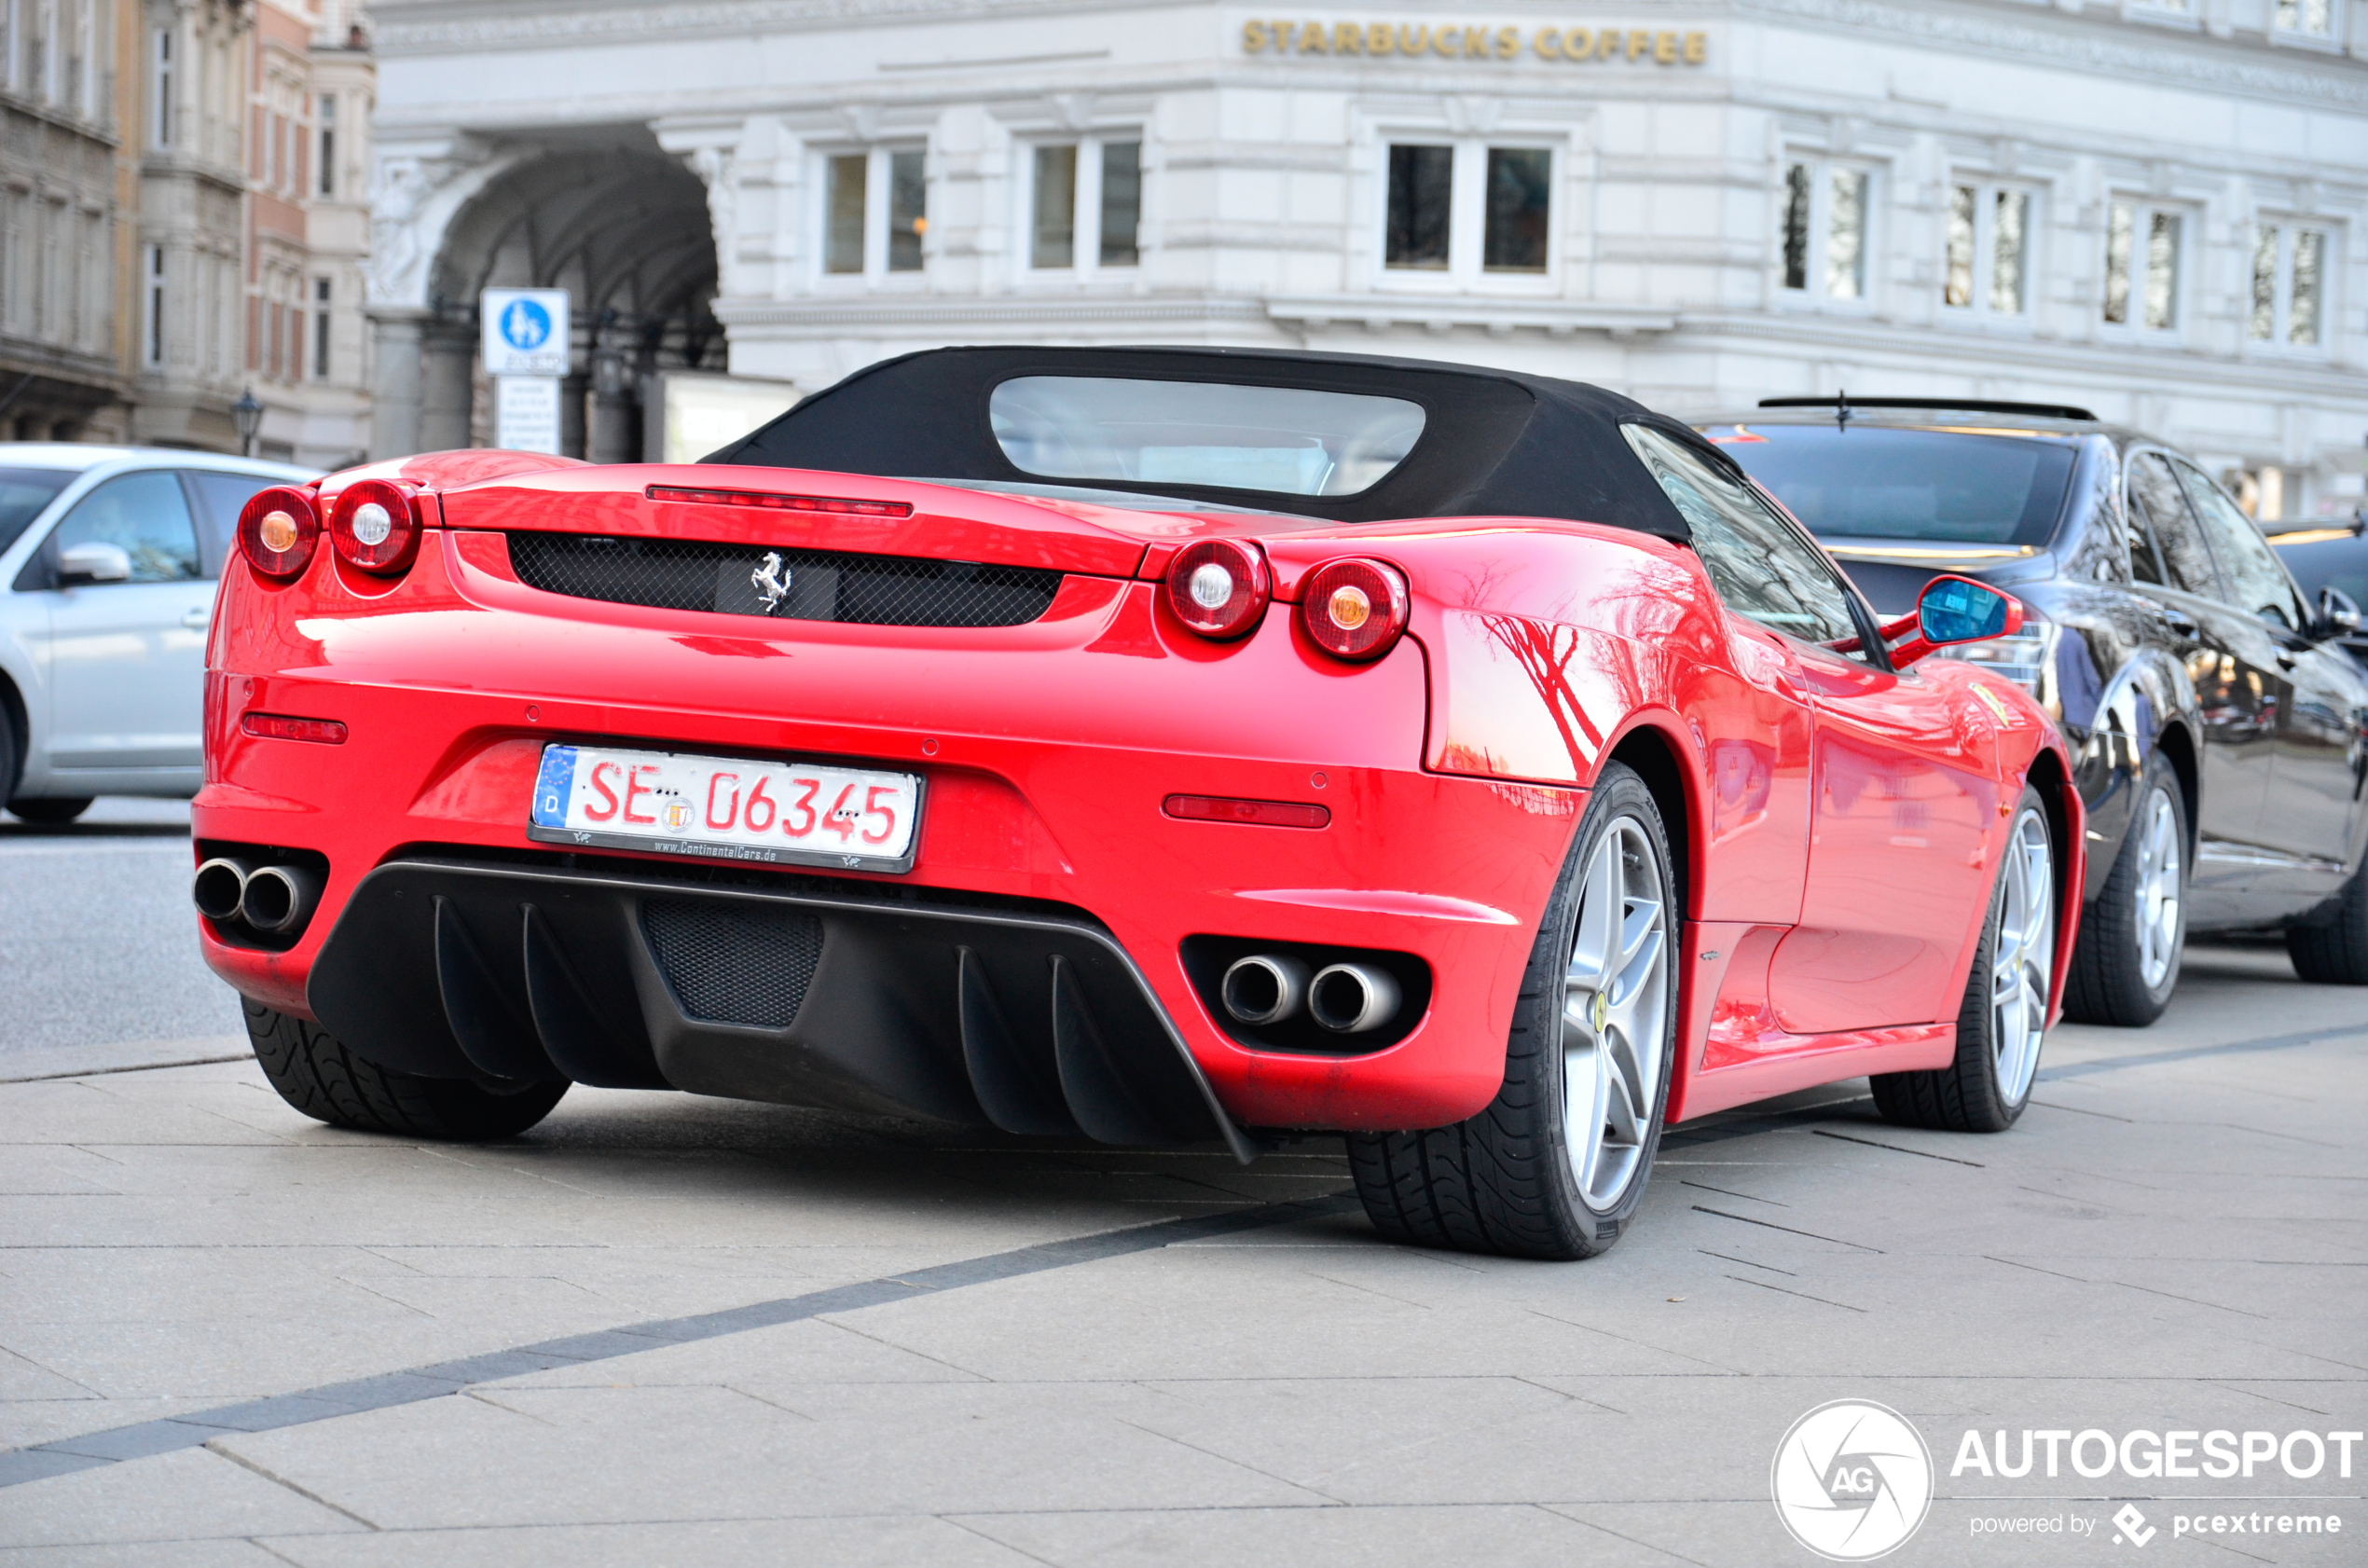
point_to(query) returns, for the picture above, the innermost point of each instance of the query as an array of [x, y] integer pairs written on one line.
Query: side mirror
[[95, 562], [1956, 610], [2337, 613]]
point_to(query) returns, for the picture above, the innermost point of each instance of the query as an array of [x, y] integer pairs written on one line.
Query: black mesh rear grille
[[787, 584], [731, 964]]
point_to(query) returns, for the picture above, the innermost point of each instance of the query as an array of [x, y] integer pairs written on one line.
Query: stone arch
[[624, 227]]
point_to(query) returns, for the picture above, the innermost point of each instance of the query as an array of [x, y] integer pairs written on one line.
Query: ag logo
[[1852, 1480]]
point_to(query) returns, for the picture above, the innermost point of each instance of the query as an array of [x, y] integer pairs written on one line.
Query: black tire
[[50, 813], [1966, 1095], [2335, 954], [2107, 982], [1503, 1181], [324, 1080]]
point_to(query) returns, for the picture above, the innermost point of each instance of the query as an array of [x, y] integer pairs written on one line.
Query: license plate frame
[[565, 767]]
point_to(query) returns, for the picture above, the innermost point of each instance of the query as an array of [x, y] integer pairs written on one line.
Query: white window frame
[[2331, 41], [162, 74], [1466, 271], [1985, 193], [2187, 14], [1085, 222], [2182, 301], [324, 147], [876, 159], [1812, 295], [2289, 228], [152, 302]]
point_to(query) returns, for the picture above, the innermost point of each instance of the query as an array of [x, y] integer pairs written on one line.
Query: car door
[[2312, 804], [2232, 665], [1899, 802], [126, 659]]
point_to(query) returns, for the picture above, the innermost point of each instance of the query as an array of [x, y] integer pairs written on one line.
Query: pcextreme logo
[[1852, 1480]]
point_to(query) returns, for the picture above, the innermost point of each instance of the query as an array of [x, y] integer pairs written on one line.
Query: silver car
[[108, 561]]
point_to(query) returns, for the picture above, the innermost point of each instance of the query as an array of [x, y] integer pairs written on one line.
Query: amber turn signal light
[[1354, 608], [1218, 587], [278, 530], [375, 524]]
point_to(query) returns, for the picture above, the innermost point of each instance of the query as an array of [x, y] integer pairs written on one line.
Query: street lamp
[[247, 414]]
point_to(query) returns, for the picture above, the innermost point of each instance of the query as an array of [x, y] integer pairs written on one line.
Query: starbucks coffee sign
[[1476, 41]]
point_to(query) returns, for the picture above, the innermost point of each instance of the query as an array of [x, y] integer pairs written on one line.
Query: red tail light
[[1218, 587], [1354, 608], [278, 530], [375, 524], [282, 726]]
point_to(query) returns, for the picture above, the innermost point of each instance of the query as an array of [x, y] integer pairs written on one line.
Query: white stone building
[[2152, 208]]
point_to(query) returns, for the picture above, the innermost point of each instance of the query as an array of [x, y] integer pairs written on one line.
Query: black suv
[[2221, 732]]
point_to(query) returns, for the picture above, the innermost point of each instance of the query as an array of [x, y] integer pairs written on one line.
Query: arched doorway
[[624, 229]]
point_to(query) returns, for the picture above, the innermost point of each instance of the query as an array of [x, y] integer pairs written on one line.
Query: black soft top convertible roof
[[1495, 443]]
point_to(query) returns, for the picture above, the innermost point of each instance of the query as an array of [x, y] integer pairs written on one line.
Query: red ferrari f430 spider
[[1158, 746]]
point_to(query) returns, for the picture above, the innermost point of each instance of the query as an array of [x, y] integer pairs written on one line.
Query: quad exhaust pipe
[[274, 900], [1268, 988]]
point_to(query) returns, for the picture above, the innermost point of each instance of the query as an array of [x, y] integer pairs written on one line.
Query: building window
[[2142, 266], [320, 329], [155, 304], [160, 62], [1827, 207], [908, 217], [329, 144], [2308, 19], [2289, 285], [874, 211], [1505, 227], [1085, 200], [1989, 233]]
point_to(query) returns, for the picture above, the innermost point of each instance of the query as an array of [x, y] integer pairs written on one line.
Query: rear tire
[[318, 1076], [2335, 954], [50, 813], [2137, 926], [1556, 1166], [2002, 1023]]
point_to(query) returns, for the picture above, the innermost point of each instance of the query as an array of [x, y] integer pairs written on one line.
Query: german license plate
[[728, 808]]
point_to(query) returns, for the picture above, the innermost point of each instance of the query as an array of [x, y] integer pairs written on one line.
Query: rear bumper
[[787, 989], [1047, 751]]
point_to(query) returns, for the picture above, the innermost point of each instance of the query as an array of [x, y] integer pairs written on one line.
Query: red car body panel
[[1840, 826]]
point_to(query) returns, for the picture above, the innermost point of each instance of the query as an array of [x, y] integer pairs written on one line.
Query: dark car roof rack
[[1965, 405]]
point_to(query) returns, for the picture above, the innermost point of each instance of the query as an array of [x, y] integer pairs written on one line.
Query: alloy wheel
[[2159, 877], [1616, 1004], [2023, 955]]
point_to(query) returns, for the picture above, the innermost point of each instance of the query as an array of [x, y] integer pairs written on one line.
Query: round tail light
[[1218, 587], [278, 530], [1354, 609], [375, 524]]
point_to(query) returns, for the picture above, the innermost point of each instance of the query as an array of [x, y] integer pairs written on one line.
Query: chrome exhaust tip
[[220, 888], [1350, 999], [1264, 988], [280, 898]]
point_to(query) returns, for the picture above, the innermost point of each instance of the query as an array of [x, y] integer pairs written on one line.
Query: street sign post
[[526, 413], [525, 330], [525, 342]]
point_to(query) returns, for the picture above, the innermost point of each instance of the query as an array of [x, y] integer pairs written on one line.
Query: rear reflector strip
[[279, 726], [1261, 814], [781, 502]]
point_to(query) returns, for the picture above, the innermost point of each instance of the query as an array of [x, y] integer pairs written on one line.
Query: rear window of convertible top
[[1955, 486], [1281, 440]]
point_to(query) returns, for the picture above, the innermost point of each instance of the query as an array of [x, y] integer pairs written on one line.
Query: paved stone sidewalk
[[934, 1350]]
